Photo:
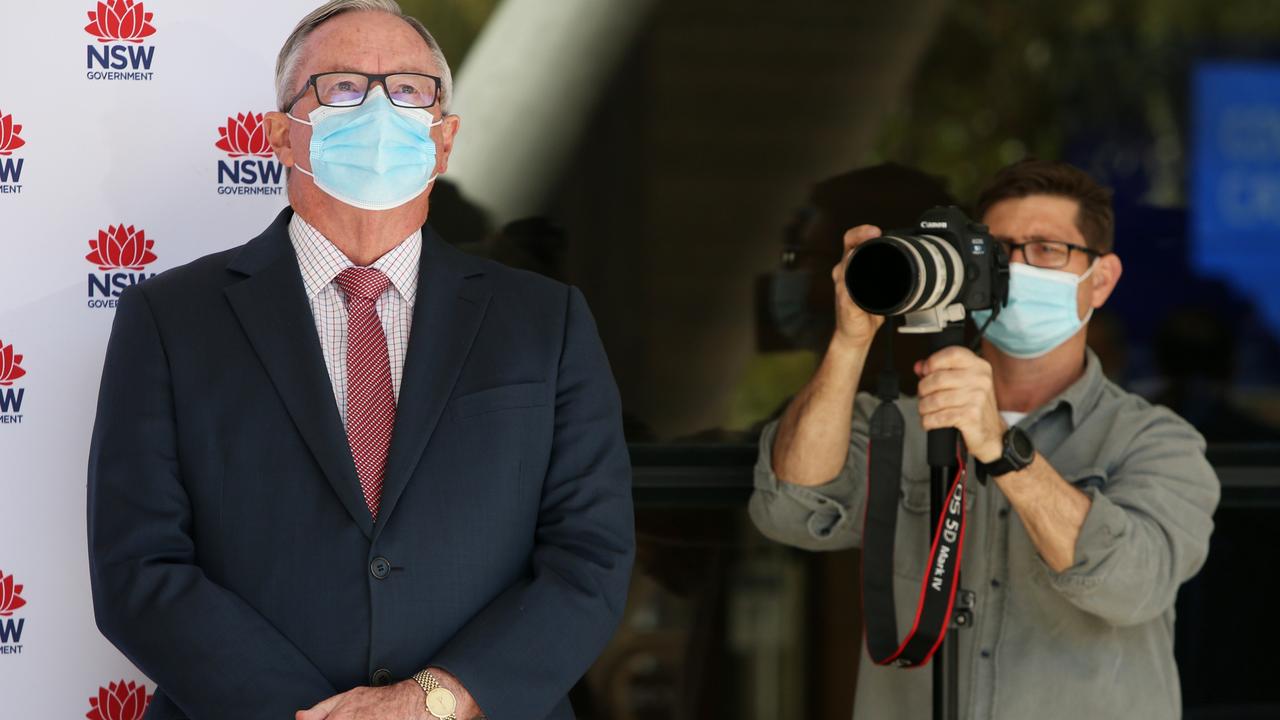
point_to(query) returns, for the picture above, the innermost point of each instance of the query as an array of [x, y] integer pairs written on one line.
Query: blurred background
[[691, 166]]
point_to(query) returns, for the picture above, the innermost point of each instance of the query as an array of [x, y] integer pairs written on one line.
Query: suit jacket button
[[380, 677], [380, 567]]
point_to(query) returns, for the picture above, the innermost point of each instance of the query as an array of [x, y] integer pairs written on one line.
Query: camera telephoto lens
[[899, 274]]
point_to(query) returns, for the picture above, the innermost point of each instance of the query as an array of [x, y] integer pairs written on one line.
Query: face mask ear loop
[[1088, 315], [1092, 266], [296, 166]]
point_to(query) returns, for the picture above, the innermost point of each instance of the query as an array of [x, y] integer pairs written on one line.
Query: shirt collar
[[320, 260], [1080, 397]]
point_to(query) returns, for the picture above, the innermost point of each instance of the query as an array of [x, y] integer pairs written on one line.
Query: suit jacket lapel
[[453, 294], [273, 310]]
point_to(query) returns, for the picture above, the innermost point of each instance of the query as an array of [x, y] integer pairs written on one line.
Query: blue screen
[[1235, 179]]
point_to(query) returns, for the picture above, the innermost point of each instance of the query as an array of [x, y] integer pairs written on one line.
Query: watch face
[[1020, 444], [441, 703]]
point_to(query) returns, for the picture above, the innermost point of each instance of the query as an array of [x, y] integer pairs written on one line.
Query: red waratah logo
[[119, 247], [244, 134], [10, 369], [119, 701], [120, 20], [10, 595], [9, 140]]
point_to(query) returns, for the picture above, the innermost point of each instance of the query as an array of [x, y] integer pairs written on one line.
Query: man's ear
[[448, 131], [278, 135], [1105, 276]]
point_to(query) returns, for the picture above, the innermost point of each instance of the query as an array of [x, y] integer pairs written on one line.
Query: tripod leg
[[940, 682]]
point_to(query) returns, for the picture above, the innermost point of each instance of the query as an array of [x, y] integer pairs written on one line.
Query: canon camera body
[[932, 274]]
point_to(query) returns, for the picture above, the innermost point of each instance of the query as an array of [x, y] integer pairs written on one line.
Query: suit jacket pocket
[[505, 397]]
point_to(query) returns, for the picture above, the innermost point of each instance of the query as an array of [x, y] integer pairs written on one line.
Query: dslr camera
[[932, 274]]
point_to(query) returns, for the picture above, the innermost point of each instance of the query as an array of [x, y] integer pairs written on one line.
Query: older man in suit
[[345, 471]]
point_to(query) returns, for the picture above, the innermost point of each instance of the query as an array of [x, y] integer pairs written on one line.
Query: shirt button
[[986, 654], [380, 677], [995, 583], [380, 567], [1004, 512]]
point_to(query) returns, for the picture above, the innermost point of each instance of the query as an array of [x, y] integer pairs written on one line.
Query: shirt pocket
[[915, 528], [911, 537], [504, 397]]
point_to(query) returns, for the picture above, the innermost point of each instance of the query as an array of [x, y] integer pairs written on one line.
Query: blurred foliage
[[454, 23], [1102, 83]]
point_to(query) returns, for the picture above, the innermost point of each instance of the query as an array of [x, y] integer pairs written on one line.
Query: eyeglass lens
[[1041, 254]]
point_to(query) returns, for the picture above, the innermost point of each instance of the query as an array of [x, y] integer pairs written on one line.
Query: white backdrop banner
[[130, 142]]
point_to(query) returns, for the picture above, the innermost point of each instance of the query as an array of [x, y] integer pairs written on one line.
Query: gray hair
[[291, 53]]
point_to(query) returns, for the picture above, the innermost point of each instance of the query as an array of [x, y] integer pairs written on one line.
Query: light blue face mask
[[374, 156], [1041, 313]]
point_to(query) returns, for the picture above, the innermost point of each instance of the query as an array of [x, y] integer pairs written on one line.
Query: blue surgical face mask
[[792, 313], [789, 302], [1041, 313], [374, 156]]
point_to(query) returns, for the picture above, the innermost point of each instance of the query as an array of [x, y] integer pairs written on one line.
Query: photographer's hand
[[957, 391], [855, 328]]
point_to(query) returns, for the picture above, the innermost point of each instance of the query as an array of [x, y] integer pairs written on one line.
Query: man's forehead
[[1033, 215], [370, 42]]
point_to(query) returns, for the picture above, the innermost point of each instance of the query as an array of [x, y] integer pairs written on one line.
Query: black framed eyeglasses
[[1047, 254], [349, 89]]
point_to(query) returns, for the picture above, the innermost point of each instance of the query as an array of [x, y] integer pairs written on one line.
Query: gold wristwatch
[[440, 702]]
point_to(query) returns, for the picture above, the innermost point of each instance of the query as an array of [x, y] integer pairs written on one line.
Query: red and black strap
[[880, 521]]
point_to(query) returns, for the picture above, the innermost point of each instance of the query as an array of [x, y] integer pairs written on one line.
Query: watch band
[[436, 693], [1011, 460]]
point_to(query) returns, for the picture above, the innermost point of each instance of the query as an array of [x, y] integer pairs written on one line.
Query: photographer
[[1077, 555]]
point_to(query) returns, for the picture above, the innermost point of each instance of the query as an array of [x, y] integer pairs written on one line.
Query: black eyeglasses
[[349, 89], [1047, 254]]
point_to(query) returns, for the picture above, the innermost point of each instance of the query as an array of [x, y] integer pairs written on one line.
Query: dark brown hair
[[1095, 218]]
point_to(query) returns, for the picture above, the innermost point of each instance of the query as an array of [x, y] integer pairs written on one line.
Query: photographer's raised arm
[[812, 442]]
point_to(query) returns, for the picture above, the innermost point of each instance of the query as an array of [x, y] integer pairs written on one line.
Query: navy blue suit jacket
[[232, 556]]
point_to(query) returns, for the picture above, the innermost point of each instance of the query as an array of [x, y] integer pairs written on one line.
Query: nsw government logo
[[248, 168], [10, 166], [10, 626], [120, 26], [10, 396], [121, 255], [119, 701]]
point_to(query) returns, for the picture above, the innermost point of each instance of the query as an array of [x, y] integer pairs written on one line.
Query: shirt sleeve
[[1148, 528], [820, 517]]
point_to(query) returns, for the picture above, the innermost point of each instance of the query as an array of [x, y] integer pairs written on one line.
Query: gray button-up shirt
[[1094, 641]]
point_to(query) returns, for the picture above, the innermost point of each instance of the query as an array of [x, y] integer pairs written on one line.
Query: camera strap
[[880, 522]]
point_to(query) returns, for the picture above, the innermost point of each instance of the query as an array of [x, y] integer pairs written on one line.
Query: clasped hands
[[400, 701]]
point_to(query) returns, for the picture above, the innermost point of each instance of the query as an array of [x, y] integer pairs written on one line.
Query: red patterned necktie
[[371, 402]]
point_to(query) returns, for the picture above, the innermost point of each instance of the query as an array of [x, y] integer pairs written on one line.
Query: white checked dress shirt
[[321, 261]]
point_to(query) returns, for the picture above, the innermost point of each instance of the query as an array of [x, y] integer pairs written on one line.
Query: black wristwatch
[[1018, 453]]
